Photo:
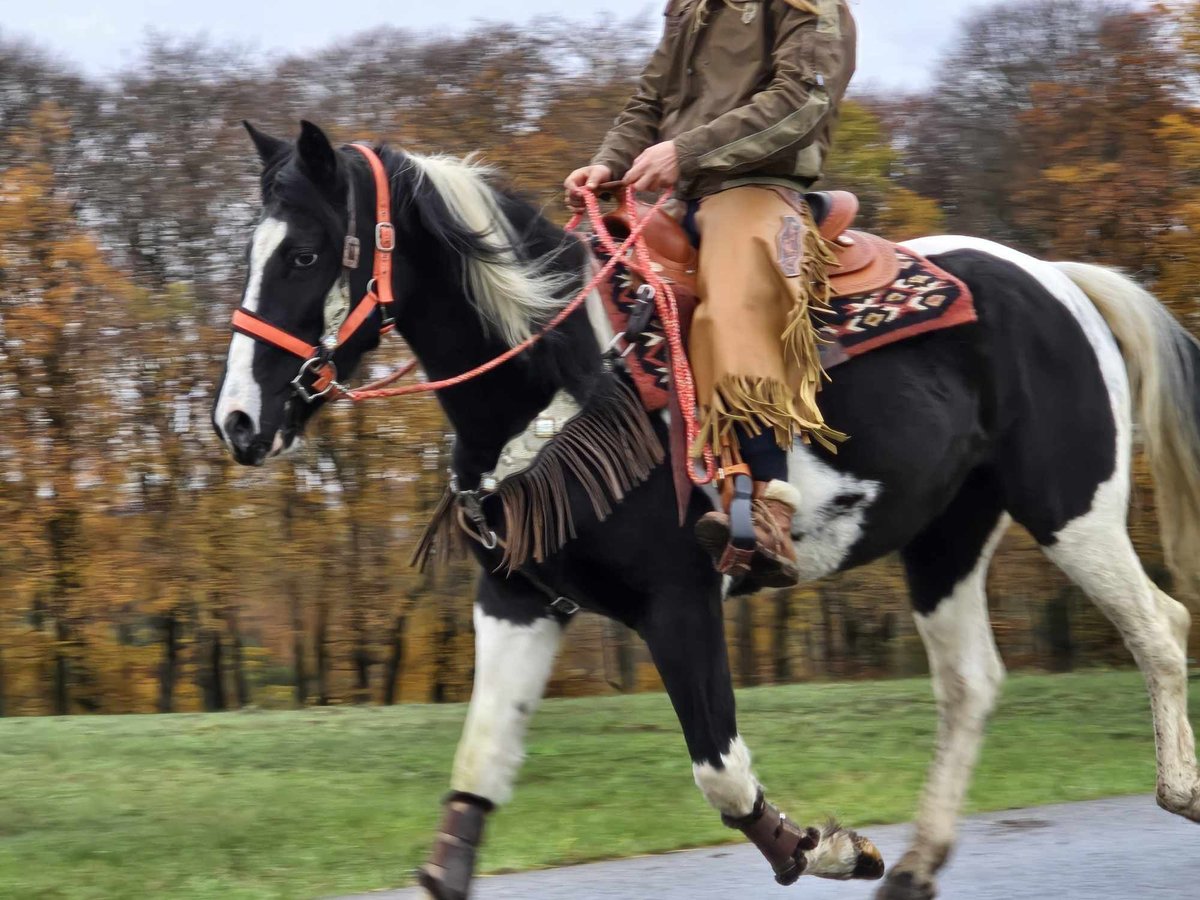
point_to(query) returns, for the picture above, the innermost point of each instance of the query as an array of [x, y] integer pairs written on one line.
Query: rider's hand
[[590, 177], [656, 169]]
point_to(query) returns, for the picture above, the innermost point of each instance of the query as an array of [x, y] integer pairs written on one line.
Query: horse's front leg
[[516, 641], [685, 634]]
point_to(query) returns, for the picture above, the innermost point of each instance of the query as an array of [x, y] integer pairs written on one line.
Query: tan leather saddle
[[866, 262]]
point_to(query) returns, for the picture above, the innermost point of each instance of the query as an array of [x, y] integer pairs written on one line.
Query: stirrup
[[739, 552]]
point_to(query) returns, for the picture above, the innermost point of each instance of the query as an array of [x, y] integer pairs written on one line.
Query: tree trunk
[[395, 660], [1057, 630], [440, 690], [827, 633], [210, 675], [780, 651], [241, 687], [321, 648], [169, 667], [2, 684], [747, 664], [620, 638], [292, 590], [362, 671], [62, 671], [298, 661]]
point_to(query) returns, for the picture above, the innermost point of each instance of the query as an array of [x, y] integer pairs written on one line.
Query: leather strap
[[385, 231], [780, 840], [379, 291], [252, 325]]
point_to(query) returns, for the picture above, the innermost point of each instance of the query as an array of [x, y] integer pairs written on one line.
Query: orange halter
[[318, 360]]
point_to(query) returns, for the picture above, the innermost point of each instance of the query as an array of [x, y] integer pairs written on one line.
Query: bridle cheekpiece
[[317, 376]]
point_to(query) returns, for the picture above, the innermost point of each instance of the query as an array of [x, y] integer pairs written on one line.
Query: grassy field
[[322, 802]]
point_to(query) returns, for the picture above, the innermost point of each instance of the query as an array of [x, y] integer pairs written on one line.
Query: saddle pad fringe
[[607, 450], [442, 540]]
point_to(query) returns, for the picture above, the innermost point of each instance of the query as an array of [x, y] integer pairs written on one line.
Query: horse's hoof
[[905, 886], [1180, 803], [869, 866], [843, 855]]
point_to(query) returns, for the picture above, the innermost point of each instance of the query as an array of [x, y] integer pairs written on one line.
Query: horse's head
[[295, 283]]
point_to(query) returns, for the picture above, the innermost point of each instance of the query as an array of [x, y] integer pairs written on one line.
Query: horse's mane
[[512, 290]]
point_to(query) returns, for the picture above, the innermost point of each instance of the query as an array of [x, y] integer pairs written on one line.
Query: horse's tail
[[1163, 361]]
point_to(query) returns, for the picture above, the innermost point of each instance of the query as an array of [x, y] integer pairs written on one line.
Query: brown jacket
[[749, 97]]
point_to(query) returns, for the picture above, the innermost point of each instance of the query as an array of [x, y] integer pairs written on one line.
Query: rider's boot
[[773, 562]]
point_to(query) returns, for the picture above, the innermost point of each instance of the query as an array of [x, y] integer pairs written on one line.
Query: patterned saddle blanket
[[923, 298]]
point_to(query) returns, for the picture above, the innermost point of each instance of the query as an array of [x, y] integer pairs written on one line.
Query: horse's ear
[[269, 148], [317, 155]]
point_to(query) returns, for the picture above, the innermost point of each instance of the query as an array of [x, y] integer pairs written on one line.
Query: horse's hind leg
[[516, 641], [947, 571], [1096, 553], [685, 633]]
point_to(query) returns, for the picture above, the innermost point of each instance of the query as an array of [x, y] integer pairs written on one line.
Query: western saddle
[[866, 262]]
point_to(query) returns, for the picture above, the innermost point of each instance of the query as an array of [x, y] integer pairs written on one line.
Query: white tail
[[1162, 359]]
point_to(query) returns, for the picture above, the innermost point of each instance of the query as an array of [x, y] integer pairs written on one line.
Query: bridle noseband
[[317, 376]]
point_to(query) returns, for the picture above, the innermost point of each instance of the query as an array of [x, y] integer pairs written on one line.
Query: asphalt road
[[1122, 849]]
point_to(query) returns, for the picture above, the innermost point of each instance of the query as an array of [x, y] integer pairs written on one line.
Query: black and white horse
[[1027, 416]]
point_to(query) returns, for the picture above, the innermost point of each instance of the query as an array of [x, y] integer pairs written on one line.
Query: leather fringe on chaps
[[606, 451], [789, 411]]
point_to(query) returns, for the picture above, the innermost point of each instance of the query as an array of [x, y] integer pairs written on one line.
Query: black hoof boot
[[447, 875]]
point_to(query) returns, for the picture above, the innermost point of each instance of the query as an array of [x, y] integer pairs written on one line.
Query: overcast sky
[[899, 41]]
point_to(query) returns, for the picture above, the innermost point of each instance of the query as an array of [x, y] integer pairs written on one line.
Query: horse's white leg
[[513, 662], [1096, 553], [947, 571], [516, 641]]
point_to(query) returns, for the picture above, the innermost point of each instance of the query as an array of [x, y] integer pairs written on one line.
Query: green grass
[[321, 802]]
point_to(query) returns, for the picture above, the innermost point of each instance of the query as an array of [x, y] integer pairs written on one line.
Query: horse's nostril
[[239, 430]]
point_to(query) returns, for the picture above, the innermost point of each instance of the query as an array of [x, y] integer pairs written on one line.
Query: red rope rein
[[638, 262]]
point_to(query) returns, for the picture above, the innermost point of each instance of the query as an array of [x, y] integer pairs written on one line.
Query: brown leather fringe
[[758, 403], [442, 540], [608, 449]]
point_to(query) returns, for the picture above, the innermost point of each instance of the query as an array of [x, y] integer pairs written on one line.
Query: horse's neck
[[445, 330], [487, 412]]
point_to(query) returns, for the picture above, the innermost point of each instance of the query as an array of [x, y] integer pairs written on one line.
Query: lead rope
[[681, 368], [665, 303], [377, 390]]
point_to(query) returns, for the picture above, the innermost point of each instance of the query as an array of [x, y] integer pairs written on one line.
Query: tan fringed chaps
[[753, 347]]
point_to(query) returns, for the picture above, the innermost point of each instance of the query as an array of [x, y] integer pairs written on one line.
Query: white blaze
[[240, 392]]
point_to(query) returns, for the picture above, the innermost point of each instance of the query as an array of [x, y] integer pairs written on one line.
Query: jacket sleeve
[[785, 115], [636, 128]]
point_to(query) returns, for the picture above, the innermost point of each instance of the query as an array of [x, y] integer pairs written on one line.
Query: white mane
[[511, 294]]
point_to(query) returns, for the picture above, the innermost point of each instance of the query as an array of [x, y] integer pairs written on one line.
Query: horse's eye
[[304, 259]]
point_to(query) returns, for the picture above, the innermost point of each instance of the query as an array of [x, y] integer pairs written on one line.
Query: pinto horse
[[1027, 416]]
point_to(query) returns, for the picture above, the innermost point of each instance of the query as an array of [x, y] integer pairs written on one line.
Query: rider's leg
[[755, 358]]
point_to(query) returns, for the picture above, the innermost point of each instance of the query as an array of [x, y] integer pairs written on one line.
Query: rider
[[736, 111]]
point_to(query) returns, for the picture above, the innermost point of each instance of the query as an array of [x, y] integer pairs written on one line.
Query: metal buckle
[[351, 251], [385, 237], [611, 349], [472, 505], [310, 396], [565, 606]]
